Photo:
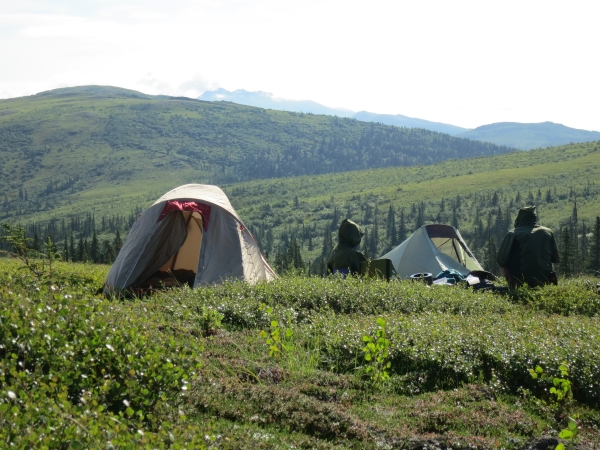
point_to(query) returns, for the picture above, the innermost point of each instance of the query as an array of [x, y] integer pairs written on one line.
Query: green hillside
[[74, 140], [480, 195]]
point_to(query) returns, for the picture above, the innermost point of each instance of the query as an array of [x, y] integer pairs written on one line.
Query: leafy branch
[[278, 339], [377, 354], [563, 395]]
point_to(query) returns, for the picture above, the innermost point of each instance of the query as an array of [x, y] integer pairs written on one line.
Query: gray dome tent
[[432, 249], [194, 230]]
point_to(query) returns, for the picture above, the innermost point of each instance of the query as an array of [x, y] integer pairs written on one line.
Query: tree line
[[483, 220], [482, 217]]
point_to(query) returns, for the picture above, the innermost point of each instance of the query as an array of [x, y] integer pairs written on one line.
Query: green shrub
[[441, 351], [87, 366]]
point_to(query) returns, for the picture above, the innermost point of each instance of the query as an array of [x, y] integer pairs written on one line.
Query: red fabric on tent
[[176, 205]]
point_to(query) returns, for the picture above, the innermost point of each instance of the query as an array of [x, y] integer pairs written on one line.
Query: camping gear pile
[[191, 235]]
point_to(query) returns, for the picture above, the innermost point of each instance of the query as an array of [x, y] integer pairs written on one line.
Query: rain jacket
[[344, 257], [528, 250]]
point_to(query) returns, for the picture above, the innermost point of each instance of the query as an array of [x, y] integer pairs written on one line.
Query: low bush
[[442, 351], [88, 367], [187, 368]]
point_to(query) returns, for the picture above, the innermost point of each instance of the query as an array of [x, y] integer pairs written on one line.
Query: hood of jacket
[[526, 216], [350, 233]]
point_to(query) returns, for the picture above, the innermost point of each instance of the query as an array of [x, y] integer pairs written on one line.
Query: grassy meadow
[[296, 363]]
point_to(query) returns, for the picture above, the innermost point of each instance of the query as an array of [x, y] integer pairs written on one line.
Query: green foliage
[[15, 236], [569, 434], [441, 350], [92, 372], [96, 370], [562, 394], [209, 320], [377, 355], [279, 340], [562, 386]]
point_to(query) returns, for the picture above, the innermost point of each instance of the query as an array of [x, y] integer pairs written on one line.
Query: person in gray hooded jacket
[[345, 257], [528, 251]]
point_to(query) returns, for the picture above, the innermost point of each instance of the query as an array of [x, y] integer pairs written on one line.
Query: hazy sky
[[467, 63]]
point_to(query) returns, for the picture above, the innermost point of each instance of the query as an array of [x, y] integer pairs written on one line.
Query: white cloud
[[465, 62], [196, 86], [151, 85]]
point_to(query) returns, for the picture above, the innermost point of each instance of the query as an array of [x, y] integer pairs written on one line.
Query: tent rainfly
[[432, 249], [190, 235]]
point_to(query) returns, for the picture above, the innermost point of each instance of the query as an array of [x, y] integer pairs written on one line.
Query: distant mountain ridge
[[527, 136], [523, 136], [266, 100], [399, 120]]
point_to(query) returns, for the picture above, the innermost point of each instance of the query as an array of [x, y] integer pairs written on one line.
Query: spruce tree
[[327, 245], [80, 249], [294, 256], [495, 199], [420, 216], [566, 252], [86, 251], [499, 228], [391, 224], [118, 242], [269, 243], [335, 220], [489, 259], [107, 255], [402, 227], [35, 245], [373, 250], [583, 247], [455, 216], [366, 244], [368, 214], [95, 249], [574, 238], [594, 253]]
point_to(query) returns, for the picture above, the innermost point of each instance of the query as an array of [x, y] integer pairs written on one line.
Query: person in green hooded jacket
[[345, 257], [528, 251]]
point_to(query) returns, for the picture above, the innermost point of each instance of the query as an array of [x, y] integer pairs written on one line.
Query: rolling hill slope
[[77, 140], [480, 195], [90, 158]]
